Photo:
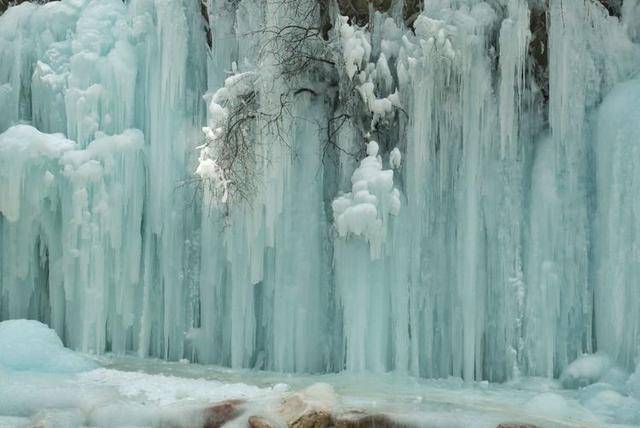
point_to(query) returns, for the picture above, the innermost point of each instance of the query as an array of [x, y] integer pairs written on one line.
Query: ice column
[[617, 256]]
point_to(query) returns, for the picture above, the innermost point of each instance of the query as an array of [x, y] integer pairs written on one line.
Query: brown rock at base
[[260, 422], [219, 414], [510, 425], [312, 419], [357, 419], [309, 408]]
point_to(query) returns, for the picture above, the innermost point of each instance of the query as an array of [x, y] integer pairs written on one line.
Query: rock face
[[358, 10], [219, 414]]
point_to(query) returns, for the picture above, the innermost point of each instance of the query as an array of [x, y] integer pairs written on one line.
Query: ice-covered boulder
[[585, 371], [27, 345], [633, 384], [605, 390], [611, 405]]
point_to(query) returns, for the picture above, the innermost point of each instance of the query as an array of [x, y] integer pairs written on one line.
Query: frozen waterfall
[[486, 230]]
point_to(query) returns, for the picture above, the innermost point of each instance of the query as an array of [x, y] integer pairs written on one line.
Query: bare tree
[[301, 49]]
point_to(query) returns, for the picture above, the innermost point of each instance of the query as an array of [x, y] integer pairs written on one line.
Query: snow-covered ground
[[44, 384]]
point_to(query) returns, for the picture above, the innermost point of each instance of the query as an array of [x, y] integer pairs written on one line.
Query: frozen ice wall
[[94, 227], [617, 146], [485, 230]]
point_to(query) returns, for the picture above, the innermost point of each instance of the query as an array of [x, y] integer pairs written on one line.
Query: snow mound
[[27, 345]]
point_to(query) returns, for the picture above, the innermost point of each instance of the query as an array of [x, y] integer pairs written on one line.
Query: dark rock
[[219, 414], [357, 419], [299, 414], [614, 7], [538, 49], [260, 422], [309, 408], [312, 419], [516, 425]]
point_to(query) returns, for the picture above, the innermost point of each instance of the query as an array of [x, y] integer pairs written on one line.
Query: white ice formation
[[488, 232]]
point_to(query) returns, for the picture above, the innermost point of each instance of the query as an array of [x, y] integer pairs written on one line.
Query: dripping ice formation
[[487, 230]]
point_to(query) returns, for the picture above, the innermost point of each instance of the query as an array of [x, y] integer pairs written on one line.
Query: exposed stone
[[516, 425], [359, 419], [614, 7], [312, 419], [219, 414], [538, 49], [358, 10], [309, 408], [204, 12], [260, 422], [4, 4]]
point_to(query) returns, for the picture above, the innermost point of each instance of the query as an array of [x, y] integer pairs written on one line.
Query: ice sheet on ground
[[146, 392], [43, 382]]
